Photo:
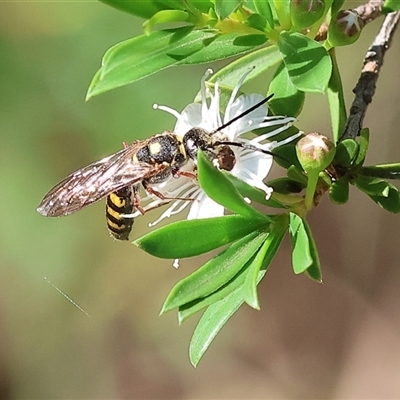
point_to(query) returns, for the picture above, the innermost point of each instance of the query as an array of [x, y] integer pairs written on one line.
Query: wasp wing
[[95, 181]]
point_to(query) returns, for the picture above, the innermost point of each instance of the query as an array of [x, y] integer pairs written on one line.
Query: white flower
[[251, 166]]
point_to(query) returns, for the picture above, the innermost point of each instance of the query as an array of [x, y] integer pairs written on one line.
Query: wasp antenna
[[248, 111], [251, 147]]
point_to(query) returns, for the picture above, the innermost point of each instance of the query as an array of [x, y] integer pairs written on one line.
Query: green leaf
[[218, 187], [261, 60], [215, 273], [263, 259], [391, 202], [222, 47], [190, 308], [346, 152], [385, 171], [287, 99], [391, 6], [212, 321], [383, 193], [282, 8], [263, 7], [372, 186], [191, 238], [257, 21], [201, 5], [224, 8], [308, 63], [337, 106], [144, 55], [286, 185], [297, 174], [163, 17], [144, 9], [363, 141], [339, 191], [251, 40], [304, 254]]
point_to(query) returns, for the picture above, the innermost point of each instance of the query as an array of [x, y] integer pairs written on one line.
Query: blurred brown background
[[337, 340]]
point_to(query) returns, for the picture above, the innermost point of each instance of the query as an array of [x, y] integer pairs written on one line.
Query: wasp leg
[[186, 174], [150, 190]]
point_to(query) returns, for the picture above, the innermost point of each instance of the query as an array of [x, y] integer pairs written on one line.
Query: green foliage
[[262, 34], [287, 98], [335, 96], [191, 238], [304, 256], [391, 6], [307, 62]]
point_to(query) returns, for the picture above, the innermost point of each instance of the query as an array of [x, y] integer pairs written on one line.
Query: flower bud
[[315, 152], [345, 28], [304, 13]]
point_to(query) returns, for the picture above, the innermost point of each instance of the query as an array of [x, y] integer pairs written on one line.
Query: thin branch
[[370, 11], [365, 88]]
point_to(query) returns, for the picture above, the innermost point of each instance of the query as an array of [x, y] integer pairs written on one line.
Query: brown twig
[[370, 11], [365, 88]]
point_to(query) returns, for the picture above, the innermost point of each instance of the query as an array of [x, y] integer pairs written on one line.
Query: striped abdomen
[[120, 202]]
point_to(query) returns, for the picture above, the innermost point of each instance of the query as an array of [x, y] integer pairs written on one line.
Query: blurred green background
[[337, 340]]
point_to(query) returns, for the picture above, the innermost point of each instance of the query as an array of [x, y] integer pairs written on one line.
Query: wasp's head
[[222, 156]]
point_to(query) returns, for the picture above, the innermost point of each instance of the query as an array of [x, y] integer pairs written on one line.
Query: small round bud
[[315, 152], [305, 13], [345, 28]]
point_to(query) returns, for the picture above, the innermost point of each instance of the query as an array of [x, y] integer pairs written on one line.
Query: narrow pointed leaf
[[164, 17], [222, 47], [261, 60], [144, 55], [188, 309], [263, 259], [224, 8], [143, 9], [212, 321], [337, 106], [215, 273], [191, 238], [263, 7], [304, 251], [282, 8]]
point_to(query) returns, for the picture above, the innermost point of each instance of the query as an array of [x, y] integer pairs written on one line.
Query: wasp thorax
[[195, 139], [160, 149]]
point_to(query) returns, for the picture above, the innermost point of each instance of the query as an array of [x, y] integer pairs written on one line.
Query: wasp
[[151, 161]]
